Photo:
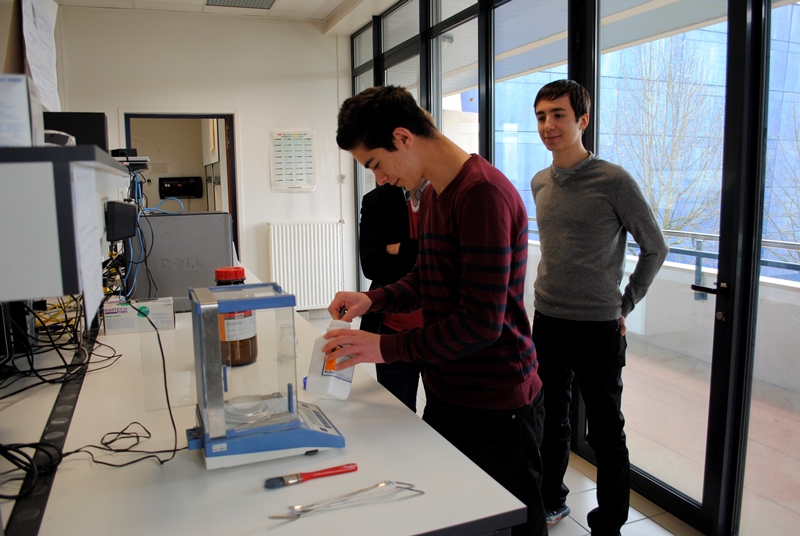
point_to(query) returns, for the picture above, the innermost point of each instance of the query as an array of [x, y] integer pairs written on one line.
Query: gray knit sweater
[[584, 214]]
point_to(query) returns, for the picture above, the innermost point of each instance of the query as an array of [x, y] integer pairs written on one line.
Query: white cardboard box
[[21, 117], [119, 317]]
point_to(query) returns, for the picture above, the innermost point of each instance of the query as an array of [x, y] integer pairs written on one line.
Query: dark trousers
[[502, 443], [595, 353], [400, 378]]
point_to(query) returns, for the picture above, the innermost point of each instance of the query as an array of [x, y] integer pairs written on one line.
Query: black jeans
[[400, 378], [502, 443], [595, 352]]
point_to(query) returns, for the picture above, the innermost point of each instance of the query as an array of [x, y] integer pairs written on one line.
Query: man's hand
[[348, 305], [622, 328], [361, 346], [393, 249]]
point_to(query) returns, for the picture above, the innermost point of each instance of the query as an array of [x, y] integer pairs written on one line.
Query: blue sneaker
[[554, 516]]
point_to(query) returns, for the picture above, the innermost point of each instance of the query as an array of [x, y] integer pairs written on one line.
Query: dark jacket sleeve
[[384, 220]]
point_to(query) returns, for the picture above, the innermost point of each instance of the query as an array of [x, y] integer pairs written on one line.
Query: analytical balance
[[250, 413]]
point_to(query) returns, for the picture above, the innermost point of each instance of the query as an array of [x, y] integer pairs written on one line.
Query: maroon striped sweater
[[469, 281]]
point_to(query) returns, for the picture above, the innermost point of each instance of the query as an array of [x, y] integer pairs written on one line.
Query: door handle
[[707, 290]]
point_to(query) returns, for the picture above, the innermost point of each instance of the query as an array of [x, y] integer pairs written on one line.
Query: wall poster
[[293, 161]]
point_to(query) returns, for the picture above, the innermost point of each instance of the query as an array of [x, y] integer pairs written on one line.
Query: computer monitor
[[182, 251], [88, 128]]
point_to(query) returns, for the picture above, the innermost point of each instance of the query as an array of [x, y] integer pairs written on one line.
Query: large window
[[443, 9], [530, 49], [364, 178], [660, 73], [405, 74], [362, 48], [457, 67], [402, 24]]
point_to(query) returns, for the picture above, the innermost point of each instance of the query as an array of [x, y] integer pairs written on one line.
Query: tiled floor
[[644, 518], [665, 404]]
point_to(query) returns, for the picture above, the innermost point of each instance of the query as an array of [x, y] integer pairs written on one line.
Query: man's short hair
[[578, 96], [369, 118]]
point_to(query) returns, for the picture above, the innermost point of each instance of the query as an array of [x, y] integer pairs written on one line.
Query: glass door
[[771, 502], [661, 100], [681, 105]]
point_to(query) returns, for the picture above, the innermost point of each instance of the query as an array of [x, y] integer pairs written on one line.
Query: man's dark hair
[[369, 118], [578, 96]]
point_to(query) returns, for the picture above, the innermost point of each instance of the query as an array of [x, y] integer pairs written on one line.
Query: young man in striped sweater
[[483, 392]]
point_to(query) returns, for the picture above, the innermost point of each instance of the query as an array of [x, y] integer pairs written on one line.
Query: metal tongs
[[380, 489]]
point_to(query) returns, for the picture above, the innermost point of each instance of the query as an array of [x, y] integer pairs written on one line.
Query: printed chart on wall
[[293, 161]]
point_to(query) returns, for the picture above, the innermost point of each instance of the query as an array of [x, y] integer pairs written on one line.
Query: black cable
[[107, 444], [141, 191], [114, 270], [15, 453], [72, 331], [133, 265], [109, 439], [76, 337], [25, 463], [150, 280]]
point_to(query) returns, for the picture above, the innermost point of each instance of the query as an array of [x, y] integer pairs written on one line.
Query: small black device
[[17, 329], [120, 220], [88, 128], [181, 187], [124, 152]]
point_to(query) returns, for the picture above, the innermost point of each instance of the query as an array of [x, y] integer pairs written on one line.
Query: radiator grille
[[306, 260]]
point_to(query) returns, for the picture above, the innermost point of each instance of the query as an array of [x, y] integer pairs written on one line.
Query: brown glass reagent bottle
[[237, 331]]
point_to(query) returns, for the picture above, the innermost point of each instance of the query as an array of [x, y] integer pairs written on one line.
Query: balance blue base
[[313, 431]]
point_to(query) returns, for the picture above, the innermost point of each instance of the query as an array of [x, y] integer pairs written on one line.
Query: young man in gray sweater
[[585, 208]]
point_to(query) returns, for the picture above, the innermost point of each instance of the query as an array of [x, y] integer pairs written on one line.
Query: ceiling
[[533, 38], [342, 17]]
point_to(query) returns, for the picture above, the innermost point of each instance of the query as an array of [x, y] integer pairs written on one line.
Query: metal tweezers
[[363, 495]]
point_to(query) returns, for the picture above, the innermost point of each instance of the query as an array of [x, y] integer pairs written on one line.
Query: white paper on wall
[[38, 30], [292, 161]]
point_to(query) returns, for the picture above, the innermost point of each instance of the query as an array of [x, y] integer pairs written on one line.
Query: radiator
[[306, 260]]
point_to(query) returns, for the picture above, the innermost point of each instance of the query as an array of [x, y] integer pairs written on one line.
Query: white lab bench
[[182, 497]]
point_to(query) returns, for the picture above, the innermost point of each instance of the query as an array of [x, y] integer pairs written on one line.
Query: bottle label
[[328, 369], [237, 326]]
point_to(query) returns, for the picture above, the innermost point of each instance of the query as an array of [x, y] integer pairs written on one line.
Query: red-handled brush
[[288, 480]]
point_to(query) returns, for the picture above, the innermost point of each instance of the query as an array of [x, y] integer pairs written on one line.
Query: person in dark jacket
[[388, 249]]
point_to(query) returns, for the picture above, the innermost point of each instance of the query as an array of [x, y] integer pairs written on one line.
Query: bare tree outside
[[782, 212], [668, 131]]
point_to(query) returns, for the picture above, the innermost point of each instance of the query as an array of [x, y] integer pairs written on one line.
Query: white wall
[[272, 75]]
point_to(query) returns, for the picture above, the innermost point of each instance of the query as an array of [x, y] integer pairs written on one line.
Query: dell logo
[[179, 264]]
